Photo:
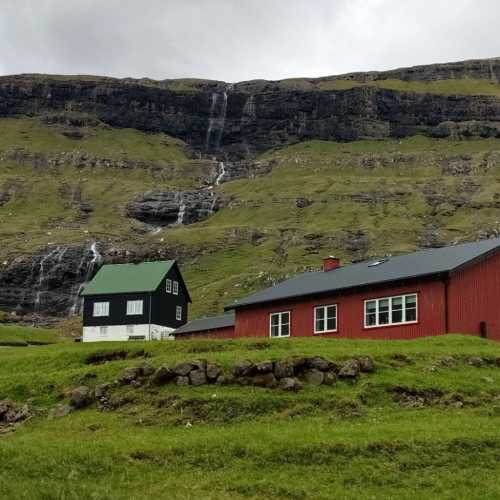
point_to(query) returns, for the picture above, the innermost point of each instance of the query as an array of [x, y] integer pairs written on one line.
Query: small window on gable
[[176, 288], [168, 286], [134, 307], [178, 313], [101, 309]]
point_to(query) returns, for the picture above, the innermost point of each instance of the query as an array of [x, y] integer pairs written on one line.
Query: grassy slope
[[345, 441], [229, 261], [23, 336]]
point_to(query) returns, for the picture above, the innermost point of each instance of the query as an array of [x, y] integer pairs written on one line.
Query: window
[[279, 324], [103, 331], [176, 288], [391, 310], [134, 307], [130, 329], [178, 313], [168, 286], [325, 319], [101, 309]]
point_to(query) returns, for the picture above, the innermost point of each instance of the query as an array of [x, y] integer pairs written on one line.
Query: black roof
[[398, 268], [208, 323]]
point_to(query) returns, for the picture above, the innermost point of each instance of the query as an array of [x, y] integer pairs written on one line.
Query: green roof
[[128, 278]]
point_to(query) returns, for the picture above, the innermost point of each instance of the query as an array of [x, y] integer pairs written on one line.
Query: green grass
[[24, 336], [346, 441], [459, 86]]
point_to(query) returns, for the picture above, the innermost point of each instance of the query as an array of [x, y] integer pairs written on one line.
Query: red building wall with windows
[[254, 321], [474, 297]]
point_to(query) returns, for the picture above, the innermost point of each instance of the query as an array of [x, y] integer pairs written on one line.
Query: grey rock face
[[267, 380], [48, 282], [198, 377], [284, 369], [290, 384], [314, 376], [244, 368], [170, 208], [130, 375], [81, 397], [213, 372], [162, 376], [182, 369], [350, 369]]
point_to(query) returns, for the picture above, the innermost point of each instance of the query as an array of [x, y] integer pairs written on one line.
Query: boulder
[[80, 397], [329, 378], [182, 380], [267, 380], [290, 384], [350, 369], [198, 377], [319, 363], [314, 376], [366, 364], [130, 374], [264, 367], [284, 369], [244, 368], [163, 375], [199, 364], [213, 372], [11, 412], [147, 370], [298, 363], [225, 379], [182, 369], [102, 390], [61, 410]]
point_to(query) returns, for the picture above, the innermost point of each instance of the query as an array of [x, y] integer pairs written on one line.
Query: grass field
[[218, 442], [24, 336]]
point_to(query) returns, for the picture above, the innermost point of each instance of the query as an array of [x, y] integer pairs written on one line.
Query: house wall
[[254, 322], [120, 333], [215, 333], [164, 304], [117, 310], [474, 296]]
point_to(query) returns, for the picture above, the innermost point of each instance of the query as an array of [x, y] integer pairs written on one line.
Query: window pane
[[320, 325], [411, 314], [285, 330], [285, 318], [320, 312], [274, 330], [331, 312], [371, 306], [397, 310], [411, 301], [169, 286], [275, 319], [371, 319], [383, 311], [331, 324]]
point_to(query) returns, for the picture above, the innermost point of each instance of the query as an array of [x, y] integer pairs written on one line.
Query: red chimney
[[330, 263]]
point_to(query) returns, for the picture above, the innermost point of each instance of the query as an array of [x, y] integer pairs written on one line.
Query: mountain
[[243, 183]]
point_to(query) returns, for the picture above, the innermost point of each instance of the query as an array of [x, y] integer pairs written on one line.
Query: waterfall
[[217, 119], [221, 174], [180, 216], [43, 274], [88, 269]]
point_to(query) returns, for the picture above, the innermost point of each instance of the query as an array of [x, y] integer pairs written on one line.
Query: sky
[[235, 40]]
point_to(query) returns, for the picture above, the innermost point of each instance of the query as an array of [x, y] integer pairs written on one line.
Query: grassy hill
[[424, 425], [356, 200]]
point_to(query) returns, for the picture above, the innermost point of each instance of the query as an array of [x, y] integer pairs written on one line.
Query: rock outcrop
[[170, 208], [237, 121]]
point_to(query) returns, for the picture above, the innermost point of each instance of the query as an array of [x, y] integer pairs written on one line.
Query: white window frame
[[280, 315], [175, 287], [168, 285], [133, 307], [390, 299], [325, 307], [178, 313], [100, 309]]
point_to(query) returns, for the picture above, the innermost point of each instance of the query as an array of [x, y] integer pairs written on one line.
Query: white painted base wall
[[117, 333]]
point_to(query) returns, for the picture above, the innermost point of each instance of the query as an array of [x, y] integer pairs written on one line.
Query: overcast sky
[[236, 40]]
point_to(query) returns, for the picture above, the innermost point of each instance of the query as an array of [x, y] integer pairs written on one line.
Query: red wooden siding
[[216, 333], [254, 321], [474, 296]]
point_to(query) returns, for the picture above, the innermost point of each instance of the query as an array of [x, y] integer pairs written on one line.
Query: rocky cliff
[[238, 121]]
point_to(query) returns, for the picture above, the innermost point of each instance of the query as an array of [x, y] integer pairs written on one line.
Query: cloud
[[237, 40]]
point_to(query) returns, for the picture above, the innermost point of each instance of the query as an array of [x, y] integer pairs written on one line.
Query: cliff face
[[238, 121]]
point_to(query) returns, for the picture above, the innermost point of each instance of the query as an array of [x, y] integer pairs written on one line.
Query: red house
[[453, 289]]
